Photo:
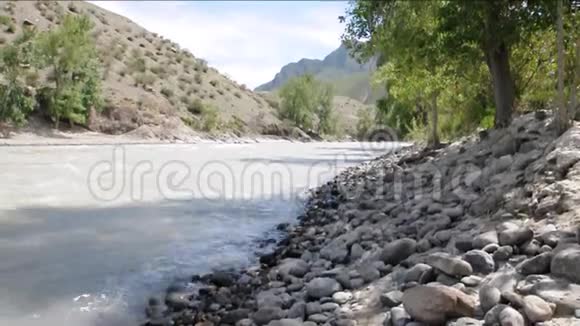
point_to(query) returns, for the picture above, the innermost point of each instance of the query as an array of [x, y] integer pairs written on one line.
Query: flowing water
[[87, 233]]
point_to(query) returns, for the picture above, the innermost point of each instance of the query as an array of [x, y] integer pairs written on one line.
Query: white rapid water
[[87, 233]]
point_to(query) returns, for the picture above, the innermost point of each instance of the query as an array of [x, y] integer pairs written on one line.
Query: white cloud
[[248, 41]]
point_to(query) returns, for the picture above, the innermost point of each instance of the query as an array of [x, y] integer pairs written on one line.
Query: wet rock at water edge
[[221, 278]]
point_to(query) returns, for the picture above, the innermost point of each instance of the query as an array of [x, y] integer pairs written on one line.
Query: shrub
[[198, 78], [213, 83], [209, 119], [32, 78], [160, 71], [272, 102], [167, 92], [195, 106], [201, 65], [137, 65], [238, 95], [144, 79], [220, 91], [15, 104], [9, 23]]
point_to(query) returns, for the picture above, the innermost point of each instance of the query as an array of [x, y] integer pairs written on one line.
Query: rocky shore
[[480, 232]]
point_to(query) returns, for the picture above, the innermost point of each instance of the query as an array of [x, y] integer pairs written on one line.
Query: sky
[[247, 40]]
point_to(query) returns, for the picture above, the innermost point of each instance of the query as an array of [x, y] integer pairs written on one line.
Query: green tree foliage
[[326, 120], [69, 51], [455, 61], [364, 123], [16, 102], [493, 28], [307, 103]]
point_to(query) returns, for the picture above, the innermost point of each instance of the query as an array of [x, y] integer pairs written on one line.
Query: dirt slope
[[150, 84]]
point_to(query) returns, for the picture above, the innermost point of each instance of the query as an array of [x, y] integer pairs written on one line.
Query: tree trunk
[[562, 114], [575, 79], [503, 85], [434, 139]]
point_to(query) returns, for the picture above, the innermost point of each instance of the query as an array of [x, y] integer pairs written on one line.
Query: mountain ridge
[[349, 77]]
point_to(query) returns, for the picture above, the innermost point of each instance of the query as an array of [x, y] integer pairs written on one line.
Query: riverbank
[[483, 230], [52, 137]]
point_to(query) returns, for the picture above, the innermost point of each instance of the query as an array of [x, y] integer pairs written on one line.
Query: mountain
[[339, 68], [163, 97]]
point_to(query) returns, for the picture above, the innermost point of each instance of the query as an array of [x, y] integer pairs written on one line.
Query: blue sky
[[248, 40]]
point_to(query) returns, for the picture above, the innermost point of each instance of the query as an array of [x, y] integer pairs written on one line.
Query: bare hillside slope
[[151, 86]]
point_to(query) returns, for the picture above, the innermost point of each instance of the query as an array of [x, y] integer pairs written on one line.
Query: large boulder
[[536, 309], [398, 250], [484, 239], [515, 236], [286, 322], [566, 262], [480, 261], [511, 317], [293, 267], [539, 264], [265, 315], [449, 265], [321, 287], [435, 304], [489, 296], [233, 316], [334, 252]]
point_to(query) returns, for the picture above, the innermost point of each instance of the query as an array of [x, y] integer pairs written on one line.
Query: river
[[88, 233]]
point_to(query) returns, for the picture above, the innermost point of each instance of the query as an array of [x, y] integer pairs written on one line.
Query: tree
[[492, 28], [413, 68], [69, 51], [16, 102], [303, 99], [326, 122], [467, 31], [562, 116], [364, 123]]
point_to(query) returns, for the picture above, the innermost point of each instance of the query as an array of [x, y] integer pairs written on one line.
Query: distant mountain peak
[[338, 63]]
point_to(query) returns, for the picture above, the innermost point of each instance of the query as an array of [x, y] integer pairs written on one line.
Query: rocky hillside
[[481, 232], [152, 87], [348, 77]]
